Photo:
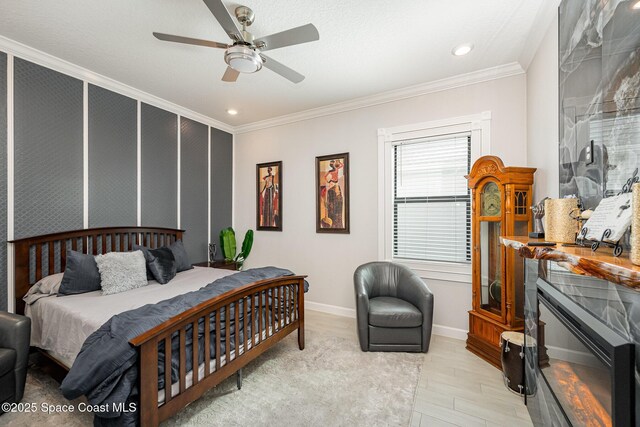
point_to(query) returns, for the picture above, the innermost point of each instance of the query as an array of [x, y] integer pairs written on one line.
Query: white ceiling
[[366, 47]]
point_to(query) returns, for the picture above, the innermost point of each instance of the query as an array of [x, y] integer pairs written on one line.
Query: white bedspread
[[60, 325]]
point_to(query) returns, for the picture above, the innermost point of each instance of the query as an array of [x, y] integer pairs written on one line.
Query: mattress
[[60, 325]]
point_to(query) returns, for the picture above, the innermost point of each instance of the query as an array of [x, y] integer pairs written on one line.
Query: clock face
[[491, 200]]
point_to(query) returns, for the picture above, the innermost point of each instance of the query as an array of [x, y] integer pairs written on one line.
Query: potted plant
[[228, 244]]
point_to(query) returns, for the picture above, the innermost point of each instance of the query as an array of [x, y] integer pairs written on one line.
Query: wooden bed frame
[[39, 256]]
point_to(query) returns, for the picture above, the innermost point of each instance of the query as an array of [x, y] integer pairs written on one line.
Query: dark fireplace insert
[[588, 378]]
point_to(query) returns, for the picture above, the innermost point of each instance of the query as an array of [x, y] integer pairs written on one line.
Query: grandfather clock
[[501, 197]]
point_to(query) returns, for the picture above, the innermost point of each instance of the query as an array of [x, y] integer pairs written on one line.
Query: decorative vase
[[635, 225], [561, 225], [213, 249]]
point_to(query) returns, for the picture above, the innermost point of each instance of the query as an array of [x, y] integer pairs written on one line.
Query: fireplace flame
[[580, 404]]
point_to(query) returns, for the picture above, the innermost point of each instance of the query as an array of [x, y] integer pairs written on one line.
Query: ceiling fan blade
[[282, 69], [189, 40], [230, 75], [304, 34], [225, 20]]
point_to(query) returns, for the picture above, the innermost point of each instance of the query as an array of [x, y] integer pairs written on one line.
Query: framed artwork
[[269, 196], [332, 193]]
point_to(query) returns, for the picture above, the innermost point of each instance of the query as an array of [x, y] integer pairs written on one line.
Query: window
[[424, 216], [431, 201]]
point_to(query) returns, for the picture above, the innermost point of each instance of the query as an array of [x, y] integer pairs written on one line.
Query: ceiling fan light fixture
[[243, 59]]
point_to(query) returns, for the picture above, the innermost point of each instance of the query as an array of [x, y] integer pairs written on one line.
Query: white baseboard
[[331, 309], [449, 332], [444, 331]]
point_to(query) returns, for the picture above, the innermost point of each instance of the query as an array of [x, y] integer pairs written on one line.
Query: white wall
[[543, 153], [330, 259], [542, 115]]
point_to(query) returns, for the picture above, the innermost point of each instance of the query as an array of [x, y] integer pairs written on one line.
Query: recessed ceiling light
[[636, 6], [462, 49], [232, 112]]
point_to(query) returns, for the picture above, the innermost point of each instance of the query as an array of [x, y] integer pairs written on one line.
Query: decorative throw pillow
[[80, 275], [160, 263], [122, 271], [144, 250], [180, 254]]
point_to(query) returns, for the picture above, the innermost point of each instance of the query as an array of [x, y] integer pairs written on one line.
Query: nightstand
[[226, 265]]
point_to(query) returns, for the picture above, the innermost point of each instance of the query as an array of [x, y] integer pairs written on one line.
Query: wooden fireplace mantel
[[581, 260]]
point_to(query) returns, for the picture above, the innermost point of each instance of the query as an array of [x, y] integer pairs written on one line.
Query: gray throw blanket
[[106, 369]]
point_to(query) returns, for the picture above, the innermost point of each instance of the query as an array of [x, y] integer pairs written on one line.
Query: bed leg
[[301, 337], [300, 295], [239, 378]]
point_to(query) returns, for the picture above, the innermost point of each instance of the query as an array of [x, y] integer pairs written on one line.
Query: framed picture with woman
[[332, 193], [269, 196]]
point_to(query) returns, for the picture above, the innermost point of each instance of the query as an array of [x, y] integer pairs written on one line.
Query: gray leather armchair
[[394, 308], [15, 333]]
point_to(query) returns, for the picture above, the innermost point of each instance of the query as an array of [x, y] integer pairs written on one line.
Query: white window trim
[[480, 127]]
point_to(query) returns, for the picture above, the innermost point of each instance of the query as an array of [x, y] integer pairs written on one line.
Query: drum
[[512, 356]]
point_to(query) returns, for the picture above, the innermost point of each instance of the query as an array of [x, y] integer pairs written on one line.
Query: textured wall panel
[[112, 158], [3, 181], [159, 167], [193, 187], [221, 184], [48, 150]]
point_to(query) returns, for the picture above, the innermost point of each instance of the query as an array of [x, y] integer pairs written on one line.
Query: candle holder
[[561, 224]]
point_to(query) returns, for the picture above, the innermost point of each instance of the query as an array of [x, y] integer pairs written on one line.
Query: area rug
[[331, 382]]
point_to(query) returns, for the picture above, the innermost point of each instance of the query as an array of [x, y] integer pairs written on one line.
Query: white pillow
[[45, 287], [121, 271]]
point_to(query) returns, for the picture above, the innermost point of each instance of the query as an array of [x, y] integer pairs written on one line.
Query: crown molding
[[31, 54], [28, 53], [453, 82]]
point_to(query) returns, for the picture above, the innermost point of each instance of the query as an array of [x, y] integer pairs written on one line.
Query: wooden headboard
[[39, 256]]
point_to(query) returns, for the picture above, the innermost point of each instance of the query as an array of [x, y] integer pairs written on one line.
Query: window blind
[[431, 201]]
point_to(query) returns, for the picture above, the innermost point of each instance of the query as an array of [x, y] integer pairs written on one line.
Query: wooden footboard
[[267, 311]]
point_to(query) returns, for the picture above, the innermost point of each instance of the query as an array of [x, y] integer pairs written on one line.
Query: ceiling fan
[[245, 55]]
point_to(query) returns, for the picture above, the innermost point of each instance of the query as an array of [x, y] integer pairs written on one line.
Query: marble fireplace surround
[[599, 90]]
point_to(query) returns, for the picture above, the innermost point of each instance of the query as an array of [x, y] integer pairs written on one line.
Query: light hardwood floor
[[455, 388]]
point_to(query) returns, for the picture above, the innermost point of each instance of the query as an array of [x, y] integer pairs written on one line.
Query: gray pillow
[[180, 254], [47, 286], [161, 263], [80, 275], [122, 271], [144, 250]]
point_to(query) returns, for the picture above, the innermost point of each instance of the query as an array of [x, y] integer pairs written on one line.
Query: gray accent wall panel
[[193, 187], [3, 181], [112, 159], [159, 167], [221, 184], [48, 150]]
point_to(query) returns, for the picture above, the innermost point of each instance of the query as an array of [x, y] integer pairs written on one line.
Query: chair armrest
[[15, 333], [362, 310], [414, 290]]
